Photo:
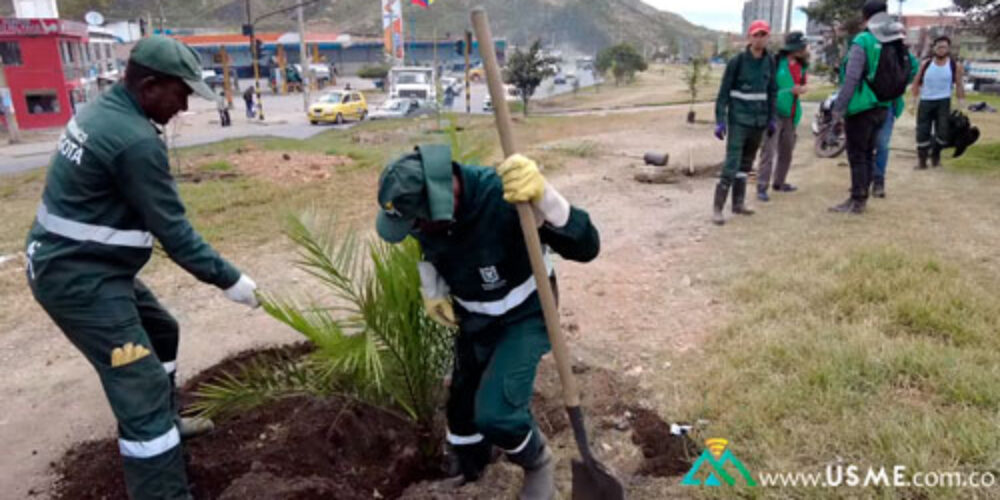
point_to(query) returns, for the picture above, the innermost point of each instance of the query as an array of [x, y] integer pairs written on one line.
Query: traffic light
[[460, 47], [259, 47]]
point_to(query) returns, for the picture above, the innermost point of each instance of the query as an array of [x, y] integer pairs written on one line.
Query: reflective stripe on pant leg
[[137, 389], [734, 153], [924, 124], [503, 401]]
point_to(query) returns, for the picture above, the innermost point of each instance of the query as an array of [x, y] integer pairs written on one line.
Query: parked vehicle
[[215, 80], [412, 82], [319, 71], [337, 107], [401, 108]]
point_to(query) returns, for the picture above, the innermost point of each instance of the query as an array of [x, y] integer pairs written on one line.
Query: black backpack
[[892, 74]]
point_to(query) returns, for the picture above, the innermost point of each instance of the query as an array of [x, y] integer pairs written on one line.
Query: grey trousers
[[777, 154]]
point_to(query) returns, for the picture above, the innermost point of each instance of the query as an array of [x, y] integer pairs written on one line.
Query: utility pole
[[468, 86], [8, 111], [225, 78], [304, 61], [256, 62], [788, 16]]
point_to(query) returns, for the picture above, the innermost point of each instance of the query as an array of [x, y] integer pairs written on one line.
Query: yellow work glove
[[522, 182], [441, 311], [128, 353]]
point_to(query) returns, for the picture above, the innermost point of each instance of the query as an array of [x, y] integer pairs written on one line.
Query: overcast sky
[[727, 15]]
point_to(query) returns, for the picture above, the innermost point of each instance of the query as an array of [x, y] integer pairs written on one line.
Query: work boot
[[878, 187], [739, 198], [936, 157], [192, 427], [762, 194], [921, 159], [851, 206], [539, 478], [721, 193]]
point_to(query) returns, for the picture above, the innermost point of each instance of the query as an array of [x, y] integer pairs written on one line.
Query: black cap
[[873, 7]]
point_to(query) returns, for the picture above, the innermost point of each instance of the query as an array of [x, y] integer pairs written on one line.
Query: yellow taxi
[[338, 106]]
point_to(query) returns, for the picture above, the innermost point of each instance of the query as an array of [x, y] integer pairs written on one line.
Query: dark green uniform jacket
[[483, 258], [747, 92], [108, 194]]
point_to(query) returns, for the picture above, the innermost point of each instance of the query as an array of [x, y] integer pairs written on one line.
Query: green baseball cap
[[415, 186], [171, 57]]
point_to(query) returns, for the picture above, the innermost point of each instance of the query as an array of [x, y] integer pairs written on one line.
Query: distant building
[[772, 11]]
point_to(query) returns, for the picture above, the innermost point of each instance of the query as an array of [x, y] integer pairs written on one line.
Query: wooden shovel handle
[[481, 26]]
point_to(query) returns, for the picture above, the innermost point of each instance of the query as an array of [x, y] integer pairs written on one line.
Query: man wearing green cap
[[108, 194], [476, 275]]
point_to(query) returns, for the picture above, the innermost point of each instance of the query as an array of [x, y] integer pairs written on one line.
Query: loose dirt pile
[[275, 166], [309, 448]]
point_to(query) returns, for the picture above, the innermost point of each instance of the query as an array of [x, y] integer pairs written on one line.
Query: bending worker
[[108, 194], [474, 255]]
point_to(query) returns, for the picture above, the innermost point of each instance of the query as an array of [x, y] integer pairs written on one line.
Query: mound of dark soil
[[295, 448], [337, 448]]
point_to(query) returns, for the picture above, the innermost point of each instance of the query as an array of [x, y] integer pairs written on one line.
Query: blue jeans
[[882, 146]]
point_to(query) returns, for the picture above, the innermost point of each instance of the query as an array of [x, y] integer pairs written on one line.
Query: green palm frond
[[373, 340]]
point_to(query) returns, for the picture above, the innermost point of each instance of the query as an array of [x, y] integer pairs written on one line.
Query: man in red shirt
[[792, 65]]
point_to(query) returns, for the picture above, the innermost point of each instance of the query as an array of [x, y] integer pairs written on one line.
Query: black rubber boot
[[739, 197], [721, 193], [851, 206], [935, 157], [922, 159], [878, 187]]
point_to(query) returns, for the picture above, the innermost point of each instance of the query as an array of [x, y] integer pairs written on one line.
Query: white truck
[[412, 82]]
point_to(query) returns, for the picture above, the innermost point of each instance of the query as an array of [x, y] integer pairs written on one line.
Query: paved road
[[200, 125]]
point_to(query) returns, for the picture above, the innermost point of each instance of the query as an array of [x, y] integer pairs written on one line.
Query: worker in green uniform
[[476, 275], [108, 195], [745, 108]]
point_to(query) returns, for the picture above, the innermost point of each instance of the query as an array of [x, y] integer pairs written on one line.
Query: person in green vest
[[857, 101], [108, 196], [476, 276], [791, 79], [745, 109]]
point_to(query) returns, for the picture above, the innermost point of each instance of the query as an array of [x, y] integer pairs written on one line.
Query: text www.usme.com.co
[[838, 476]]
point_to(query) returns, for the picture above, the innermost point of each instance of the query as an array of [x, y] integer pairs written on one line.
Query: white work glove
[[523, 182], [435, 293], [243, 292]]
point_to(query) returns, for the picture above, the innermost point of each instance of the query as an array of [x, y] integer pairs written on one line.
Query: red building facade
[[46, 62]]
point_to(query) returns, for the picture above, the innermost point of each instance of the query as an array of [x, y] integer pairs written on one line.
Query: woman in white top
[[938, 76]]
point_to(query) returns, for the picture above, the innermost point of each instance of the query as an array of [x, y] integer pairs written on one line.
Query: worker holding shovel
[[476, 275], [108, 194]]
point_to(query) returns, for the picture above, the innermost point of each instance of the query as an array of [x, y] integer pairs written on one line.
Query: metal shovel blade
[[591, 479]]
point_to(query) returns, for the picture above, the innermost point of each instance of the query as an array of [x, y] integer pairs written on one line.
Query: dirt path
[[644, 296]]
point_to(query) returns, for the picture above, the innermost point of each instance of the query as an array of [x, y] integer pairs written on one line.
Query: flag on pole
[[422, 3]]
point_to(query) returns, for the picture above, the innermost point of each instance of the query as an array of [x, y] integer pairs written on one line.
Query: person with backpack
[[745, 105], [877, 72], [938, 75], [792, 64]]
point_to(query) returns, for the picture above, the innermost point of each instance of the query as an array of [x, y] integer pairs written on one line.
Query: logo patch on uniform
[[491, 278], [128, 353], [489, 274]]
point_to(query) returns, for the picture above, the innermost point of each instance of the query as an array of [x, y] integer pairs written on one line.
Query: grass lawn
[[858, 340]]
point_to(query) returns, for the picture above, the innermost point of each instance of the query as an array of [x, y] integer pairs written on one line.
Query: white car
[[321, 71], [400, 108]]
